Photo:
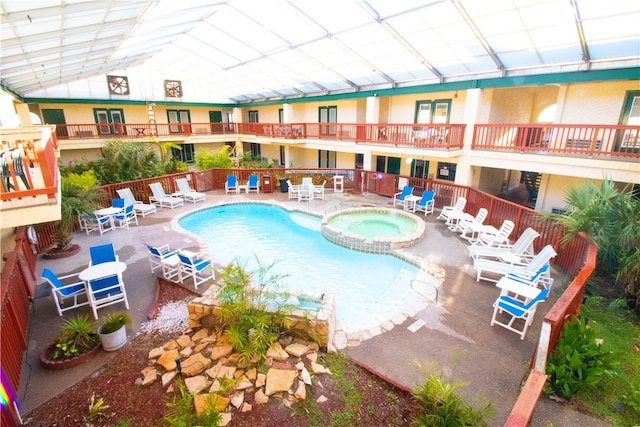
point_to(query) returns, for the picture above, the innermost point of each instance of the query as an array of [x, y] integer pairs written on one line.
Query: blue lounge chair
[[399, 198]]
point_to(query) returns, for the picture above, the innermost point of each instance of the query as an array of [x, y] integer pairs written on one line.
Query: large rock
[[202, 402], [297, 349], [301, 391], [276, 352], [260, 398], [197, 384], [195, 364], [220, 351], [168, 360], [279, 380]]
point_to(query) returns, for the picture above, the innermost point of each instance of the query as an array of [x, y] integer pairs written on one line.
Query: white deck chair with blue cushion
[[200, 270], [125, 218], [516, 311], [141, 208], [102, 253], [399, 198], [426, 203], [61, 292], [231, 185], [522, 246], [101, 223], [106, 291], [187, 192], [253, 184], [157, 254], [160, 198], [525, 267]]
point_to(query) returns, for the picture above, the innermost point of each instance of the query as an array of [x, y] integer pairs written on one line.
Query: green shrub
[[87, 180], [207, 159], [631, 399], [77, 336], [441, 406], [182, 414], [578, 360]]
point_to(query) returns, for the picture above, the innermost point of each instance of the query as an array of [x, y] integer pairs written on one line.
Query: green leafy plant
[[182, 414], [252, 314], [114, 321], [207, 159], [76, 199], [77, 336], [631, 399], [578, 360], [127, 161], [97, 408], [441, 406]]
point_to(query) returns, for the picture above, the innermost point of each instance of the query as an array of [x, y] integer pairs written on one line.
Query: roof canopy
[[236, 51]]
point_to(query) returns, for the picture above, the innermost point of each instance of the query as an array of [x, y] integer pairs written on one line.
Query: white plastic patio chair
[[157, 254], [188, 193], [253, 184], [294, 190], [141, 208], [522, 246], [106, 291], [514, 310], [448, 211], [61, 291], [525, 268], [318, 190], [126, 218], [231, 185], [489, 236], [160, 198], [101, 223], [473, 226]]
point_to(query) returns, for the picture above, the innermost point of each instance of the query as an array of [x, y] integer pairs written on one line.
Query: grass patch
[[620, 331]]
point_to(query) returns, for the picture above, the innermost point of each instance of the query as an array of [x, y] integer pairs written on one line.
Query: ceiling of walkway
[[230, 51]]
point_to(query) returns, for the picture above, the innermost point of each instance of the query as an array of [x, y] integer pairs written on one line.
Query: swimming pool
[[369, 289]]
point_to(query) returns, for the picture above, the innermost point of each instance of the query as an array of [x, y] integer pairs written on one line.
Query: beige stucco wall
[[599, 103]]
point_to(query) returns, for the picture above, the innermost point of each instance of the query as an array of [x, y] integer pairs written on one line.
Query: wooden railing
[[17, 288], [28, 161], [597, 141]]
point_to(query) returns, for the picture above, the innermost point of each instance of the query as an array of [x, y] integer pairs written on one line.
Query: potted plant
[[77, 342], [113, 334]]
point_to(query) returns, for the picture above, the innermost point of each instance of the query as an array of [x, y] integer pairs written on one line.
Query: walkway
[[456, 333]]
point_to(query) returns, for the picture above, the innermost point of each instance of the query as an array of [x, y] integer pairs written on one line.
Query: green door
[[55, 116], [215, 118], [393, 165]]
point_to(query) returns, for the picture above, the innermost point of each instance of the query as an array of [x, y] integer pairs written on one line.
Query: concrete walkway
[[456, 334]]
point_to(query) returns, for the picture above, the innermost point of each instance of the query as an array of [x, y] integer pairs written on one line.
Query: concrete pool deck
[[454, 333]]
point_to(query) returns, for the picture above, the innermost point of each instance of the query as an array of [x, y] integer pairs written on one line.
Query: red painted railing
[[598, 141]]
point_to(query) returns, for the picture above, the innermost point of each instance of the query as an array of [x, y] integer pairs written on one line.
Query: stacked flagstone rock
[[213, 373]]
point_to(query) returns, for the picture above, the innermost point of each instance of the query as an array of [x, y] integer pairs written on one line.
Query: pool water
[[372, 225], [369, 288]]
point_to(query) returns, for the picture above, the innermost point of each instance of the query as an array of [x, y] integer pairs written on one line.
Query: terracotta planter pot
[[114, 340], [46, 358]]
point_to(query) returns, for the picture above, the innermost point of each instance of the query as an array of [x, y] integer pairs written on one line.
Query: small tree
[[207, 159], [78, 198], [126, 161]]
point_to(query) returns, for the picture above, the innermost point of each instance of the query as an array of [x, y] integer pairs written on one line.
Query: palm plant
[[126, 161], [611, 217], [76, 200]]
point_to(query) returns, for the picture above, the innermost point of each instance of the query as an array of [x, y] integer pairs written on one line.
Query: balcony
[[29, 165], [603, 142]]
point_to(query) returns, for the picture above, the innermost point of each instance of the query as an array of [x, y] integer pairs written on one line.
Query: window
[[433, 111], [110, 121], [255, 150], [328, 115], [326, 159], [280, 115], [253, 116], [388, 164], [629, 140], [446, 171], [179, 121], [185, 154], [282, 157], [359, 161]]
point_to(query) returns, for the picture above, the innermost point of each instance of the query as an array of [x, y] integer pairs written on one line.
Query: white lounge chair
[[522, 246], [141, 208], [450, 211], [489, 236], [525, 268], [160, 198], [187, 192]]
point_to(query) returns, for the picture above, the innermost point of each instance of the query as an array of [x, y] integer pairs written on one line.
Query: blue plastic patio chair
[[426, 203], [399, 198], [231, 185], [102, 253], [253, 184], [61, 291]]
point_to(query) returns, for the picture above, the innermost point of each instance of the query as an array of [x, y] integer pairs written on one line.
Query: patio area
[[455, 332]]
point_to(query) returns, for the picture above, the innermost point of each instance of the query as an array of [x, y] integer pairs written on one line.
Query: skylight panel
[[335, 19], [38, 26], [515, 59]]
